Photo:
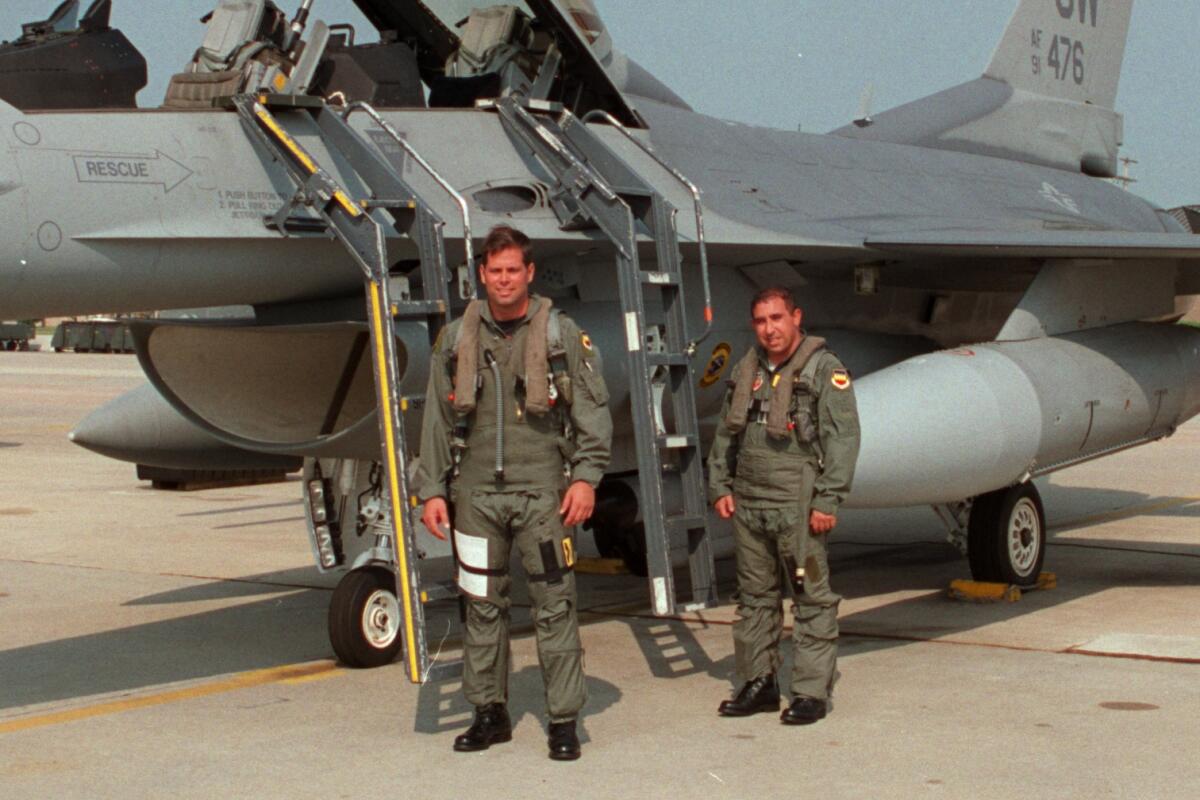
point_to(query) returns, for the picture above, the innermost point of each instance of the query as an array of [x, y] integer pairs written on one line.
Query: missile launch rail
[[597, 188]]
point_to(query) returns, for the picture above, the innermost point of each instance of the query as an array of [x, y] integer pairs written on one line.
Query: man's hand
[[578, 503], [725, 506], [820, 522], [436, 517]]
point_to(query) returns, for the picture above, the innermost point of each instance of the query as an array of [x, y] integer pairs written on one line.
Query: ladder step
[[682, 524], [667, 359], [444, 671], [443, 590], [417, 308], [678, 441], [660, 279], [688, 608], [390, 202]]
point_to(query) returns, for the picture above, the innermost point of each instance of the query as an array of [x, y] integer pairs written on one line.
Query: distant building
[[1189, 216]]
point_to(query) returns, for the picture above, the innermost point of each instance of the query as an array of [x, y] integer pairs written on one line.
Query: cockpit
[[430, 53]]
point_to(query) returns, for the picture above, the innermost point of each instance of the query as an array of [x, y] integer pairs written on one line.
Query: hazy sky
[[789, 63]]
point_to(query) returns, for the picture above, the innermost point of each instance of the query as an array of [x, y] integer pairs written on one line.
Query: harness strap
[[544, 355], [488, 573], [466, 351], [781, 387], [784, 384], [743, 392], [537, 379]]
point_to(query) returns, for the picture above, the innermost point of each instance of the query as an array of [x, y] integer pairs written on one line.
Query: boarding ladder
[[597, 188], [270, 120]]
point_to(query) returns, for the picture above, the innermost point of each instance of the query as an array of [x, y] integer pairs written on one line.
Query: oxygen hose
[[490, 360]]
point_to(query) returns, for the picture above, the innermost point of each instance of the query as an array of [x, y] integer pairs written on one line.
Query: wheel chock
[[983, 592], [601, 566], [1047, 580]]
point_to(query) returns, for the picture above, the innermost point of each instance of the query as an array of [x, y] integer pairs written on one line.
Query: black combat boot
[[804, 711], [564, 744], [491, 726], [760, 694]]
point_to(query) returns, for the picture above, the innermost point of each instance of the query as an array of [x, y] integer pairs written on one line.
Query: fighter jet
[[1006, 312], [67, 61]]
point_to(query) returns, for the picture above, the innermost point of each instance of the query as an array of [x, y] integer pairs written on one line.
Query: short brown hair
[[503, 237], [771, 292]]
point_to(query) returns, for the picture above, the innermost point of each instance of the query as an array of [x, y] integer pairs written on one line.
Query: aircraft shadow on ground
[[290, 626], [5, 445], [285, 629], [875, 559], [247, 586], [1084, 566]]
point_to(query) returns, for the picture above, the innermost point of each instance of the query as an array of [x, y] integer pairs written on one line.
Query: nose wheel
[[1006, 536], [365, 618]]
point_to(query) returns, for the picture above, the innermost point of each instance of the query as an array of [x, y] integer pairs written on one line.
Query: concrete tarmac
[[157, 644]]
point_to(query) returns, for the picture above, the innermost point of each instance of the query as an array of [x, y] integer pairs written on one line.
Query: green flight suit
[[542, 455], [775, 483]]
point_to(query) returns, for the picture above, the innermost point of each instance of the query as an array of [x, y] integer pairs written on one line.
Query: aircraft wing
[[1041, 244]]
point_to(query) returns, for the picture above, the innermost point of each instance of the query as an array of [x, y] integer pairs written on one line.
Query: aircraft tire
[[632, 548], [1006, 536], [628, 543], [365, 619]]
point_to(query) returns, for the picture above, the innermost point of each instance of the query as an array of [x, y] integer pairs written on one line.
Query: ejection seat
[[493, 58], [242, 47]]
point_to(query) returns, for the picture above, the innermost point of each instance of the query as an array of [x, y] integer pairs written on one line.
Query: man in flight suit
[[516, 437], [781, 464]]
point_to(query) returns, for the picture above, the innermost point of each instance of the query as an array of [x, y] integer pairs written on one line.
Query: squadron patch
[[758, 381], [586, 341], [840, 380], [717, 363]]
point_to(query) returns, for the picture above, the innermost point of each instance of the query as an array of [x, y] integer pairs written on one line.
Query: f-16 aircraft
[[1005, 310]]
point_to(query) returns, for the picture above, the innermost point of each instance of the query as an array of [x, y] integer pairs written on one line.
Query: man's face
[[777, 329], [506, 278]]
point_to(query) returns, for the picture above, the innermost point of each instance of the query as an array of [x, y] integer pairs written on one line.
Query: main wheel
[[365, 618], [1006, 536]]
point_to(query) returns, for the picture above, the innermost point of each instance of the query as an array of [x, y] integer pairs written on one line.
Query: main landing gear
[[1006, 536]]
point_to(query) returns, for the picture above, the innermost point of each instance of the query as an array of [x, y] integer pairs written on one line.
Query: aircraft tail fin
[[1067, 49], [1047, 96]]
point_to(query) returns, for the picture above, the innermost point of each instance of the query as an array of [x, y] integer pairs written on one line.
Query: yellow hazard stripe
[[294, 673], [299, 153], [385, 408]]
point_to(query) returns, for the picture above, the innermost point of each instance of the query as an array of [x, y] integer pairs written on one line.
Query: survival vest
[[547, 377], [793, 393]]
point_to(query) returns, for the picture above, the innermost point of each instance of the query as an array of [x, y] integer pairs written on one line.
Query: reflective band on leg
[[473, 569]]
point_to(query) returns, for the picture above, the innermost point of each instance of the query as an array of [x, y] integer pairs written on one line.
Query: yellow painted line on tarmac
[[1124, 513], [262, 677], [316, 676]]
